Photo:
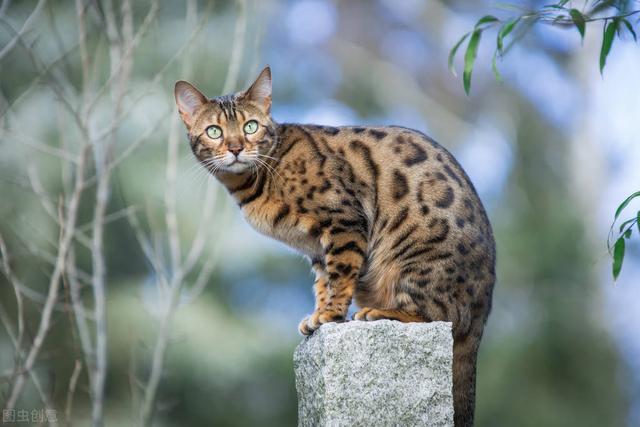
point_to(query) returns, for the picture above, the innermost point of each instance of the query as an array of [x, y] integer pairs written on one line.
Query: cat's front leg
[[321, 291], [334, 288]]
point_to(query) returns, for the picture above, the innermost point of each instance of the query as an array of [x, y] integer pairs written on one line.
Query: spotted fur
[[386, 215]]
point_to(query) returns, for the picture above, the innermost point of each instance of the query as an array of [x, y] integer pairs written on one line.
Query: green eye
[[250, 127], [214, 132]]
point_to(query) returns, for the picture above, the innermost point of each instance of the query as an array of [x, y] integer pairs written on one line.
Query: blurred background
[[143, 280]]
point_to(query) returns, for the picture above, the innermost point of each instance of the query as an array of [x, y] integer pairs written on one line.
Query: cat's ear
[[260, 90], [189, 100]]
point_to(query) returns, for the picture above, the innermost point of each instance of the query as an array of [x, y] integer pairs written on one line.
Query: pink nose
[[236, 149]]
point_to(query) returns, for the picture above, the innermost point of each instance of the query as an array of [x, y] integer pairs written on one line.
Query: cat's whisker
[[268, 157], [270, 168], [272, 172], [265, 166]]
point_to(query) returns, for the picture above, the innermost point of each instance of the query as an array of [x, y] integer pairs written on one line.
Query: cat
[[386, 216]]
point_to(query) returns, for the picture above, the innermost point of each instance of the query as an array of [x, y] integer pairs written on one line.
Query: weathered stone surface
[[382, 373]]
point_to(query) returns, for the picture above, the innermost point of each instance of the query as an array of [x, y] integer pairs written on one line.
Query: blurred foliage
[[624, 232], [559, 14]]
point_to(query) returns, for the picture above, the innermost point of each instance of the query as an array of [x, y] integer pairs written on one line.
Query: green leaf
[[578, 20], [630, 28], [494, 67], [638, 222], [559, 6], [452, 54], [625, 204], [624, 224], [618, 257], [505, 31], [627, 234], [607, 41], [486, 20], [469, 58]]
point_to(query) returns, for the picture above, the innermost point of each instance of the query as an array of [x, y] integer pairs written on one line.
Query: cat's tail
[[465, 351]]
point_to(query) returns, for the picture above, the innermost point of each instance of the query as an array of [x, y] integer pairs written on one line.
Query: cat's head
[[230, 133]]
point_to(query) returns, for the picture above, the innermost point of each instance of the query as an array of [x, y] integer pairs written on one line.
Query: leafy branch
[[624, 233], [614, 15]]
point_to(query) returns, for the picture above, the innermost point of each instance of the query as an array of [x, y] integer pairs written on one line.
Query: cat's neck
[[234, 180]]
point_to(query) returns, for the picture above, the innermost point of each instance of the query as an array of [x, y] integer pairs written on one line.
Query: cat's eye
[[250, 127], [214, 132]]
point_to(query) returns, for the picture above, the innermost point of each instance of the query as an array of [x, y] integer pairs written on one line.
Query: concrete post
[[382, 373]]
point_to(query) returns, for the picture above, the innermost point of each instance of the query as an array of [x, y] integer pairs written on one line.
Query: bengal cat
[[385, 214]]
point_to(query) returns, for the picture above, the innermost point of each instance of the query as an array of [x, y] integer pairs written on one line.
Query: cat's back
[[396, 168]]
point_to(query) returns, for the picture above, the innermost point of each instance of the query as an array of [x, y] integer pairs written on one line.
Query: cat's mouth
[[229, 163], [236, 165]]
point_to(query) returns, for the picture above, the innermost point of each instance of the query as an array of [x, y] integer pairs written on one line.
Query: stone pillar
[[382, 373]]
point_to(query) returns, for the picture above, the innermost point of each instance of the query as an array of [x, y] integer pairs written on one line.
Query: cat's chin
[[237, 167]]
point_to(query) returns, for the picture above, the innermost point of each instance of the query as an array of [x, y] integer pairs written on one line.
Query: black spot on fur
[[446, 200], [331, 130], [337, 230], [418, 155], [399, 219], [422, 282], [282, 213], [452, 174], [462, 248], [344, 268], [400, 185], [301, 207], [315, 231], [356, 145], [377, 134], [442, 230], [326, 185], [350, 246]]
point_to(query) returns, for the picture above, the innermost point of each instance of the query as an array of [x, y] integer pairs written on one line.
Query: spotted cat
[[385, 214]]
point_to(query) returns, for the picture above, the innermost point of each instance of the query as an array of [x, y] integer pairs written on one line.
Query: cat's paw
[[312, 322], [371, 314], [368, 314]]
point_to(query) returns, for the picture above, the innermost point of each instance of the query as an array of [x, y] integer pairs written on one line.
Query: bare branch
[[27, 24], [18, 370], [54, 84], [178, 268], [239, 35], [80, 314], [4, 6], [82, 44], [47, 205], [112, 217], [148, 250], [117, 67], [167, 314], [6, 268], [54, 283], [73, 381], [119, 42], [46, 149], [45, 71]]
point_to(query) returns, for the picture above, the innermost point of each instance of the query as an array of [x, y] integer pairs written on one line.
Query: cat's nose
[[235, 149]]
